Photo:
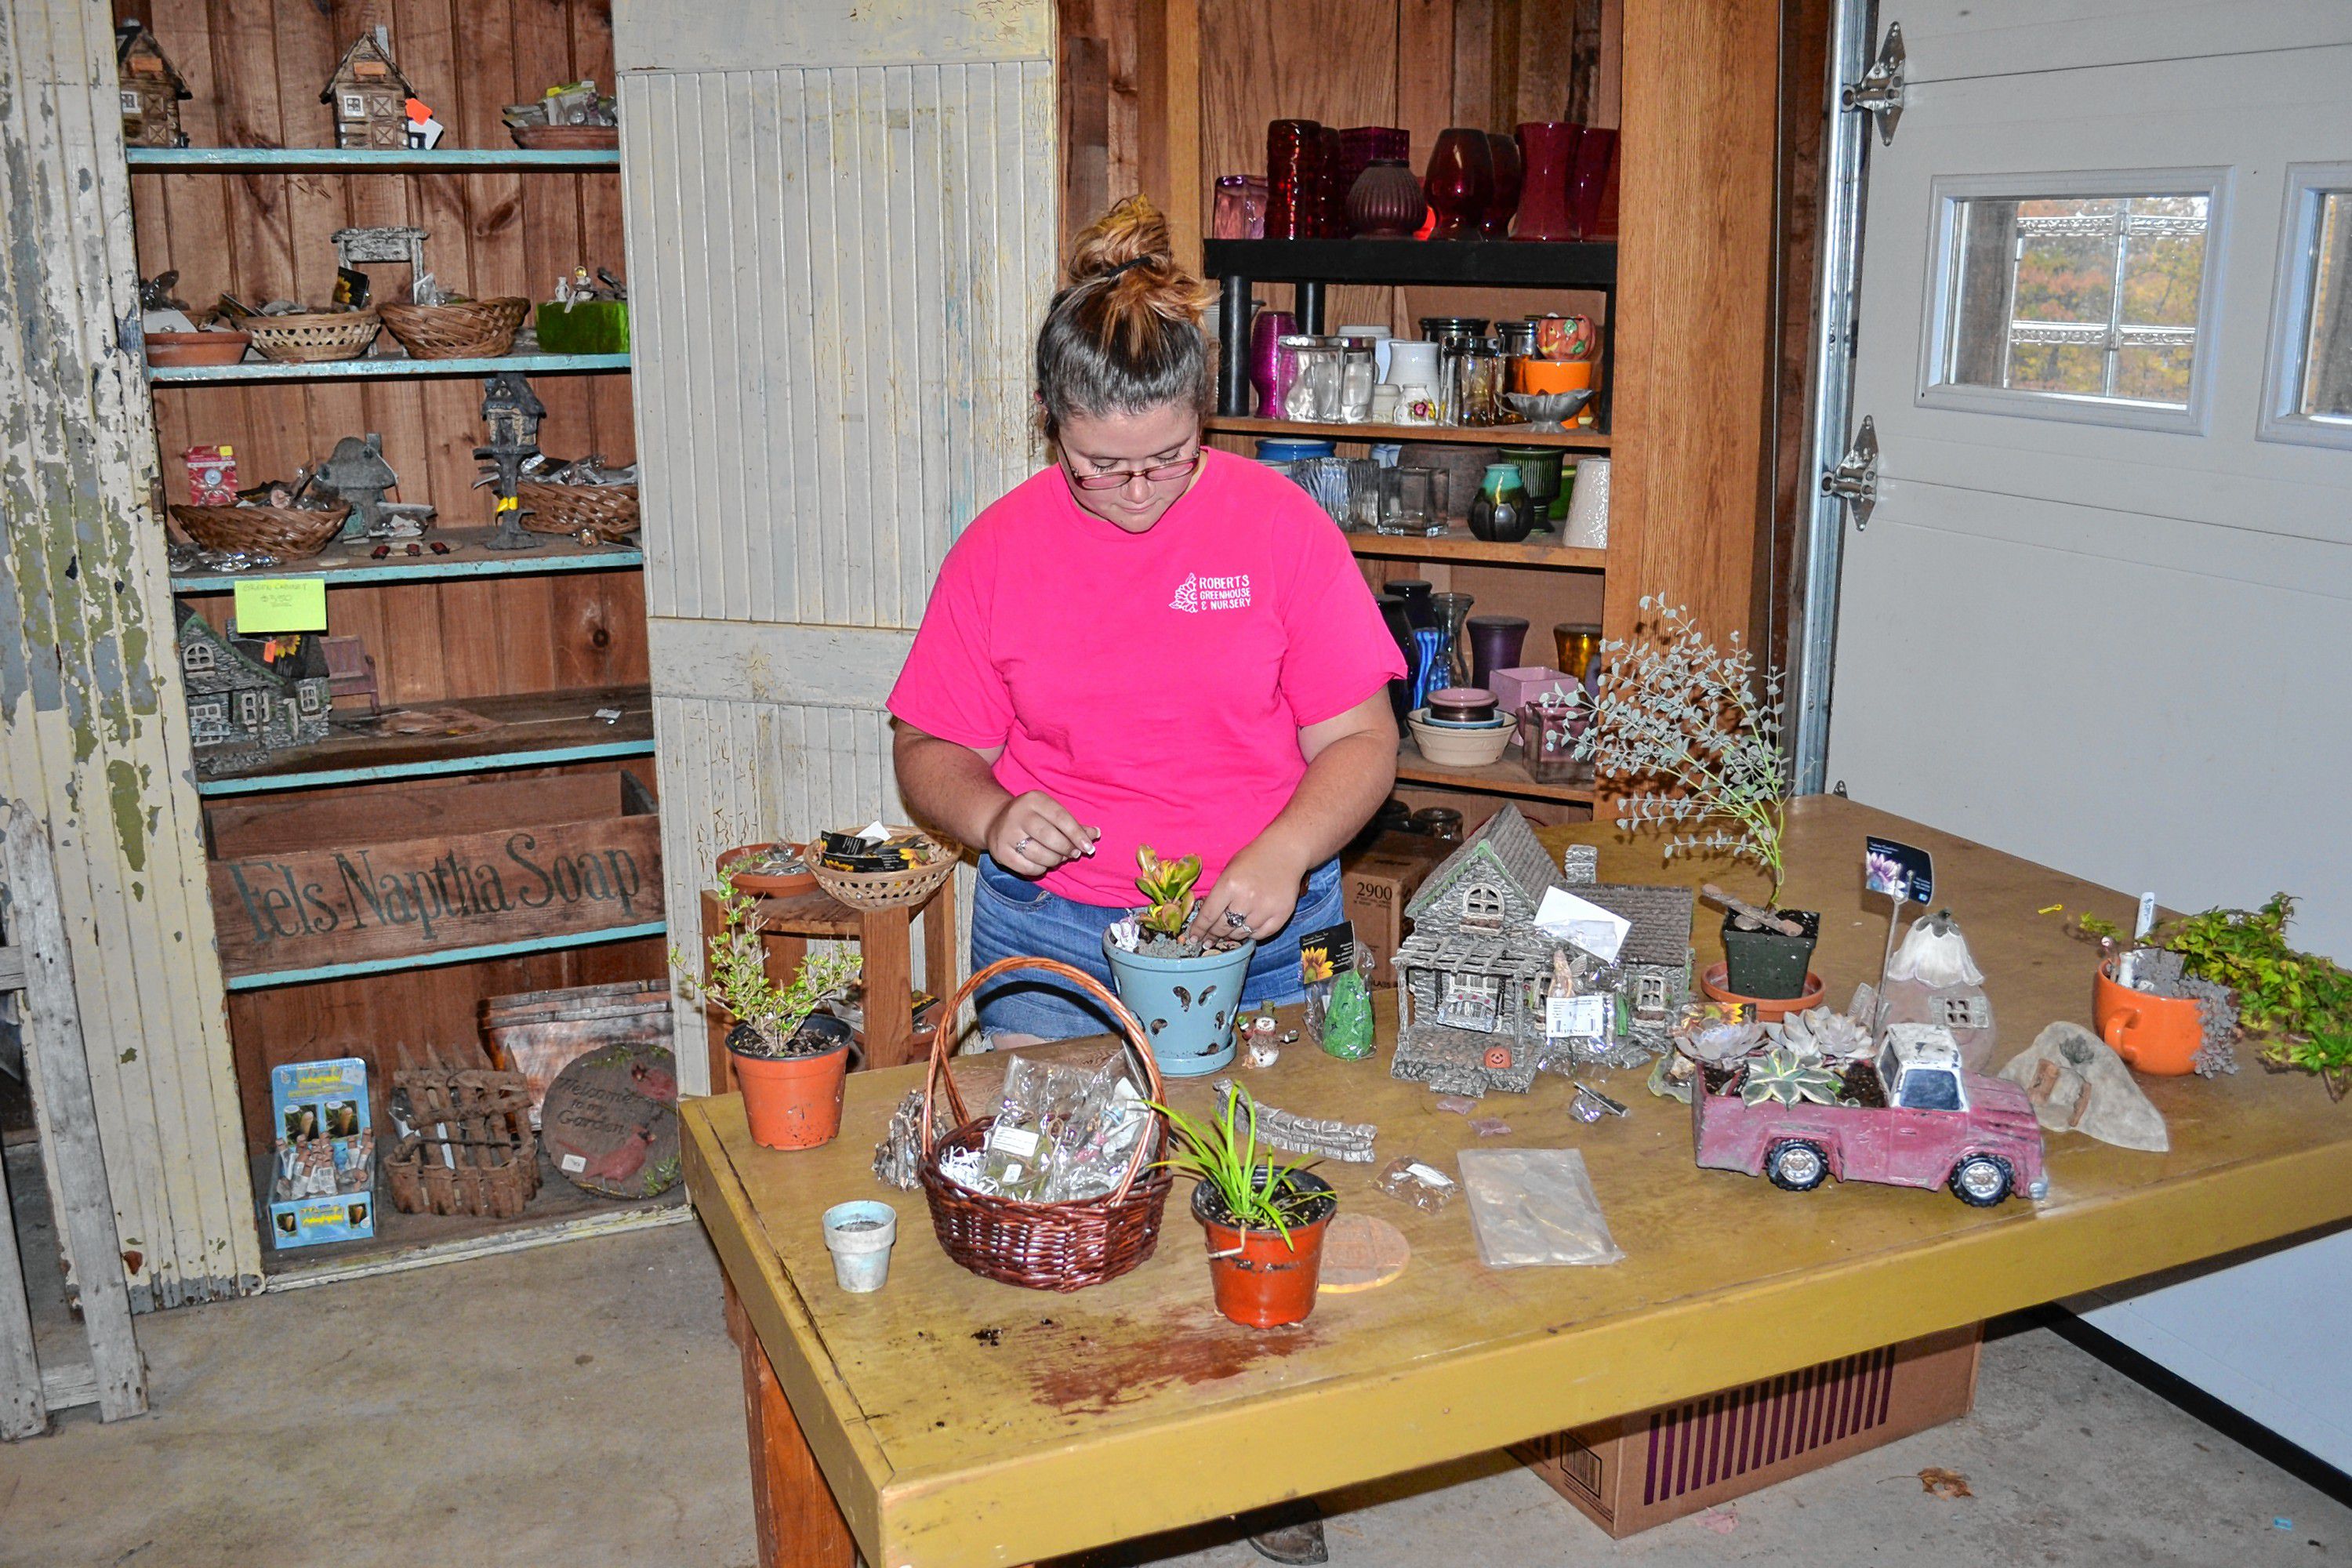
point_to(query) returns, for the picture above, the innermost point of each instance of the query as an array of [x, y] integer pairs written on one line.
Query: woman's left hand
[[1260, 884]]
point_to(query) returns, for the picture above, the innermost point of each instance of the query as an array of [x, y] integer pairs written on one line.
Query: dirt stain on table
[[1093, 1374]]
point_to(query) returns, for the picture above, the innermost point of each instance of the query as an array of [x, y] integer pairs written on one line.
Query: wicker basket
[[566, 138], [1046, 1246], [313, 336], [471, 329], [887, 889], [286, 531], [608, 512]]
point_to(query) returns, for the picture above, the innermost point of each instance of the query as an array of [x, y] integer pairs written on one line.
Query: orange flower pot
[[2158, 1035], [1261, 1280], [794, 1102], [1555, 375], [1715, 983]]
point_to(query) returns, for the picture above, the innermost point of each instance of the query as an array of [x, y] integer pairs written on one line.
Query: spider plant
[[1224, 1152]]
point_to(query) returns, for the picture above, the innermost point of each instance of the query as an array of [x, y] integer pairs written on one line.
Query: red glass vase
[[1360, 145], [1294, 161], [1596, 158], [1386, 201], [1504, 153], [1459, 183], [1331, 192], [1547, 155]]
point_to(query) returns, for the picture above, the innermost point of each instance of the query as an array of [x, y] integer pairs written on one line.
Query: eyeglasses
[[1158, 475]]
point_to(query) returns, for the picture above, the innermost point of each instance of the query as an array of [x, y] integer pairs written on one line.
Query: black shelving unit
[[1313, 264]]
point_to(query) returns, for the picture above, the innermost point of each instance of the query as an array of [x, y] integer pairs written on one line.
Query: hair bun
[[1131, 236]]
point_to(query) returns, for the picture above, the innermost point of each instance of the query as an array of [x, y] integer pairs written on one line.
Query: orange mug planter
[[2160, 1035]]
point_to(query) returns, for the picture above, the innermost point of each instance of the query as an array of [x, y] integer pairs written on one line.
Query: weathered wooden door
[[840, 239]]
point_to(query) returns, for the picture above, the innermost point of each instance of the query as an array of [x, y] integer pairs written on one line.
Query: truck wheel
[[1981, 1181], [1796, 1167]]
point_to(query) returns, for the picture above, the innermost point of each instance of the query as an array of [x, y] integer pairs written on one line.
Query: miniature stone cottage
[[242, 704], [151, 90], [369, 96], [1475, 975]]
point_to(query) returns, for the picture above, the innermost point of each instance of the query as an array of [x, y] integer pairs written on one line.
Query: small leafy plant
[[1784, 1078], [739, 985], [1224, 1152], [1168, 884], [1700, 725], [2302, 1001]]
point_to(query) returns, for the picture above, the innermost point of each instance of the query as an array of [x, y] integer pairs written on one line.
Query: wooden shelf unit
[[1542, 550], [536, 640], [1508, 777], [1456, 435]]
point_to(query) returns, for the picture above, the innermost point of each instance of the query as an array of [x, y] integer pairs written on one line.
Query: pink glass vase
[[1548, 156], [1266, 358], [1459, 183], [1504, 153]]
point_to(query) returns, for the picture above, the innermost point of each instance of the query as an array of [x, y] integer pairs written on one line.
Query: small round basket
[[887, 889], [311, 337], [608, 512], [286, 531], [1044, 1246], [566, 138], [470, 329]]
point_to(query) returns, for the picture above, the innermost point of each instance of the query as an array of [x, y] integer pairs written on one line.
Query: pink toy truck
[[1942, 1127]]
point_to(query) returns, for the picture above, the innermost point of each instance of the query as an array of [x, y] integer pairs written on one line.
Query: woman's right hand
[[1032, 833]]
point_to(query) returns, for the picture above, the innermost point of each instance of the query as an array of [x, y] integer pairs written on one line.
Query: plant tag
[[1326, 952], [573, 1164], [1576, 1017], [1021, 1142], [1897, 871], [282, 604], [2147, 921]]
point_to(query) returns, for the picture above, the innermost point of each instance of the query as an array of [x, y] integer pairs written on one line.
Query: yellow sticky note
[[282, 604]]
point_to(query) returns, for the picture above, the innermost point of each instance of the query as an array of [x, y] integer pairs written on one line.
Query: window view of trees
[[2327, 353]]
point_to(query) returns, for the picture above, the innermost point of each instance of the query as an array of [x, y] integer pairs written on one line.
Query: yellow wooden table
[[948, 1421]]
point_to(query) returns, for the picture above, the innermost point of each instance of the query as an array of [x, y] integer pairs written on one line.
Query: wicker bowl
[[566, 138], [286, 531], [168, 349], [887, 889], [471, 329], [313, 336], [1043, 1246], [608, 512]]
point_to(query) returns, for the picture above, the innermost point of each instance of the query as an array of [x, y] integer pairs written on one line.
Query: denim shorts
[[1011, 915]]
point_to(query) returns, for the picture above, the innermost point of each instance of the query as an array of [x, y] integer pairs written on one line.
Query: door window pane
[[2327, 390], [2307, 395], [2075, 296]]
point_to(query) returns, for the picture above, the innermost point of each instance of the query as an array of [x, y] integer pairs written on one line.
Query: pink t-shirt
[[1155, 683]]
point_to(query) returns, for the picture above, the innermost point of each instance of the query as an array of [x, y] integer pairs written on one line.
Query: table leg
[[885, 938], [799, 1524]]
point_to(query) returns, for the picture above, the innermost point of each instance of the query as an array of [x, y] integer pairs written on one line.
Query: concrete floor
[[579, 1405]]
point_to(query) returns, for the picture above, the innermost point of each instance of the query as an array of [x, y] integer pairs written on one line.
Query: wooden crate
[[538, 1034], [301, 883], [1636, 1471]]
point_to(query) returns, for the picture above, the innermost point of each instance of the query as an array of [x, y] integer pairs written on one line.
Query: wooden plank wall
[[257, 67]]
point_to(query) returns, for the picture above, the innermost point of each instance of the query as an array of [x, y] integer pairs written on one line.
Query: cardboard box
[[1377, 882], [1636, 1471]]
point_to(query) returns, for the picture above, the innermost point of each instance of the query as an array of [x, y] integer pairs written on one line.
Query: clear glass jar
[[1474, 392], [1359, 374], [1313, 392]]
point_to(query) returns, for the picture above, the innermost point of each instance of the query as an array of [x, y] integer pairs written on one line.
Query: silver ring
[[1022, 846], [1236, 919]]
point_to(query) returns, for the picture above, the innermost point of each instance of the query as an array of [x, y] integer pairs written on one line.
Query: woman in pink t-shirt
[[1148, 643]]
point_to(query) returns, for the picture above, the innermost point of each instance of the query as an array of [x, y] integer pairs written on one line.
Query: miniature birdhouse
[[510, 413], [369, 96], [357, 472], [151, 89]]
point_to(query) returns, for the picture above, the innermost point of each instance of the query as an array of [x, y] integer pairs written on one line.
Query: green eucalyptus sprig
[[739, 984], [1699, 725], [1224, 1152]]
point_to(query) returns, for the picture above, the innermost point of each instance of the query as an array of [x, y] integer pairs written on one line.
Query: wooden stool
[[885, 941]]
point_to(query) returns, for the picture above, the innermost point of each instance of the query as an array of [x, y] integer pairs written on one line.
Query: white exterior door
[[2101, 615]]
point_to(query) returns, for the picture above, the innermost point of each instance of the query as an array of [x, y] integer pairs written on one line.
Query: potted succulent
[[1264, 1222], [1703, 731], [1186, 990], [789, 1057]]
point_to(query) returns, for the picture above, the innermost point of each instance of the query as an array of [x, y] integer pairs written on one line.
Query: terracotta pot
[[1768, 1010], [794, 1102], [1261, 1280], [2158, 1035]]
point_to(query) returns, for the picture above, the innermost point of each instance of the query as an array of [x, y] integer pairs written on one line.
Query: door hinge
[[1855, 478], [1879, 93]]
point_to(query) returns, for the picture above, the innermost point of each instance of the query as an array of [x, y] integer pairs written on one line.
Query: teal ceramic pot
[[1501, 514], [1188, 1007]]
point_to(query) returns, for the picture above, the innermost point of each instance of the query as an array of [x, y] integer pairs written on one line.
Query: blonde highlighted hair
[[1124, 335]]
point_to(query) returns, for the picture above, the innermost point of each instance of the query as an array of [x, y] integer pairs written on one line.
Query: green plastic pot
[[1766, 964]]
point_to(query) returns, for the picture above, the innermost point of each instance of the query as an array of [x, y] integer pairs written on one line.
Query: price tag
[[280, 605], [1575, 1017], [2147, 921]]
